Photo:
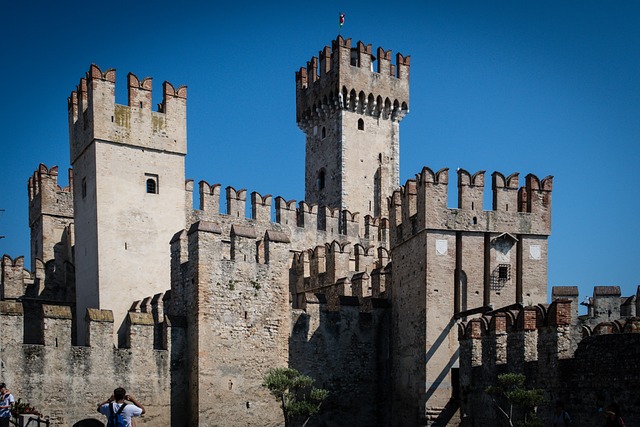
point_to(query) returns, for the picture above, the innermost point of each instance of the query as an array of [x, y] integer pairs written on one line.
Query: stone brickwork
[[350, 110], [52, 237], [66, 382], [342, 343], [448, 261], [360, 286], [585, 364], [128, 164]]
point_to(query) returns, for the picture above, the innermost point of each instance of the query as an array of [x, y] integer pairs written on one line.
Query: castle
[[366, 286]]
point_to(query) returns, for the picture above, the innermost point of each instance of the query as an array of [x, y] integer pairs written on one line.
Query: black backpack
[[115, 419]]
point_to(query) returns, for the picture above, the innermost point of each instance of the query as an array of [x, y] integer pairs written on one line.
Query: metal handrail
[[38, 420]]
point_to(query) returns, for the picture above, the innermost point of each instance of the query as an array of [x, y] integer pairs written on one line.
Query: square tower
[[350, 110], [128, 162]]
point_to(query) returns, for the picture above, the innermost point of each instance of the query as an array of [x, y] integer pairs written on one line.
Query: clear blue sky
[[545, 87]]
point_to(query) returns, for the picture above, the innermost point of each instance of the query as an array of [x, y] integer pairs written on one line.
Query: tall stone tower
[[350, 110], [449, 264], [51, 223], [129, 192]]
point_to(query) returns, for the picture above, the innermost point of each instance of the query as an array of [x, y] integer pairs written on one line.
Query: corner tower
[[128, 164], [349, 103]]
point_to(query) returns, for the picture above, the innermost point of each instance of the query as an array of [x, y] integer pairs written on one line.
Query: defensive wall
[[584, 361], [450, 260], [66, 382], [342, 342], [230, 297], [234, 288], [327, 258], [262, 284]]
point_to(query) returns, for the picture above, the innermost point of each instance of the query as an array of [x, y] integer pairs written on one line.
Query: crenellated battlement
[[422, 204], [342, 270], [535, 333], [353, 79], [46, 197], [93, 114], [56, 327], [577, 359], [45, 178], [15, 279], [299, 217], [51, 221], [519, 335], [43, 363]]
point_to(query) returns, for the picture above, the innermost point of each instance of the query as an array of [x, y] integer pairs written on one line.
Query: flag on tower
[[341, 19]]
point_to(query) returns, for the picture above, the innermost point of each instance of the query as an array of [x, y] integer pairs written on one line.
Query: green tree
[[510, 394], [298, 397]]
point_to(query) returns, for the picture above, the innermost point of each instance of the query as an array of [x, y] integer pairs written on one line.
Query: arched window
[[360, 124], [152, 183], [151, 186]]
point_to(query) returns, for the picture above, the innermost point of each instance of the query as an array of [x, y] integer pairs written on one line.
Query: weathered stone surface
[[360, 286], [556, 357]]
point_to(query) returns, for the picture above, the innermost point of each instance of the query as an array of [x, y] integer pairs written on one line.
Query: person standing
[[612, 415], [561, 417], [117, 401], [6, 403]]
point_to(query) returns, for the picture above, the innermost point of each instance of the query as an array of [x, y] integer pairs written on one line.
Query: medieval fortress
[[404, 308]]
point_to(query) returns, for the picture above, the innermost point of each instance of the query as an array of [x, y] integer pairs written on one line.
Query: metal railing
[[31, 421]]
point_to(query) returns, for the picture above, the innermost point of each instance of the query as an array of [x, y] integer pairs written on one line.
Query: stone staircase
[[447, 416]]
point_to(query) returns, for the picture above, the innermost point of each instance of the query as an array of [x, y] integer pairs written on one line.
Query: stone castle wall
[[450, 260], [342, 342], [66, 382], [308, 284], [585, 364], [350, 111], [128, 163]]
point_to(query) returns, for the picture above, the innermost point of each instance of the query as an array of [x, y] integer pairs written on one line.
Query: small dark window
[[360, 124], [152, 183], [500, 277], [321, 179], [503, 272], [324, 132], [152, 188], [354, 58], [84, 187]]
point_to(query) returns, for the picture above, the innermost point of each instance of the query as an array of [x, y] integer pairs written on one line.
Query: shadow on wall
[[344, 350], [453, 404]]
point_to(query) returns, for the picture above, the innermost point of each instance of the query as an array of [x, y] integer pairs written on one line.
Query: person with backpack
[[561, 417], [118, 412]]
